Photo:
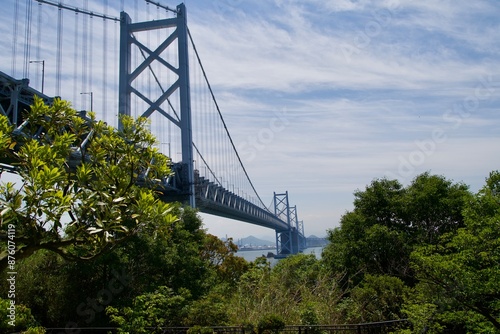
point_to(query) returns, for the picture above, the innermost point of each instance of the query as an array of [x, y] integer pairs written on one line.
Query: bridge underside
[[16, 97], [213, 199]]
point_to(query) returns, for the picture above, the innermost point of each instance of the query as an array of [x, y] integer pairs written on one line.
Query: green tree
[[270, 323], [377, 298], [388, 221], [78, 197], [15, 317], [297, 289], [433, 206], [221, 257], [459, 276], [151, 311], [168, 257]]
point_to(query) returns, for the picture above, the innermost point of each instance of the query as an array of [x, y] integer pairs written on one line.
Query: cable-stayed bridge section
[[157, 69]]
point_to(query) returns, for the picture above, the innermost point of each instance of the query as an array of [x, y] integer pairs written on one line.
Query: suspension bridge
[[141, 67]]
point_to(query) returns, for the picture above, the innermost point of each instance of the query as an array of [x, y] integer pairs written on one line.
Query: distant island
[[251, 243]]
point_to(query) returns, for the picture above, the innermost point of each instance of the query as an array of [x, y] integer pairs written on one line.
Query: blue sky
[[349, 91]]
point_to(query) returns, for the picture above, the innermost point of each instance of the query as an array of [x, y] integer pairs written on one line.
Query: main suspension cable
[[222, 119], [79, 10]]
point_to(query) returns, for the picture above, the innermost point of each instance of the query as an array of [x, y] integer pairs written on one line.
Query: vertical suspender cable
[[138, 80], [39, 39], [223, 122], [60, 18], [163, 149], [104, 107], [84, 50], [194, 101], [91, 58], [115, 77], [148, 39], [205, 130], [27, 38], [14, 38], [76, 50]]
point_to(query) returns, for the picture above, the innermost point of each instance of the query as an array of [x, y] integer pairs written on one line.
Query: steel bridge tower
[[290, 240], [127, 75]]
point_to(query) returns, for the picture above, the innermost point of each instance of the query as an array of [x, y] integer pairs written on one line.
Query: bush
[[270, 323], [17, 319], [35, 330], [200, 330], [248, 328]]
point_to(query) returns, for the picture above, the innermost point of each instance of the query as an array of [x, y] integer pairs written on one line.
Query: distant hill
[[314, 241], [314, 237], [252, 241]]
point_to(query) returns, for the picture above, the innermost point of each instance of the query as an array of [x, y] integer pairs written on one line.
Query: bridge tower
[[127, 75], [286, 239], [302, 236]]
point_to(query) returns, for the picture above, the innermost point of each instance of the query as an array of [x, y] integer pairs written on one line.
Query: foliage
[[296, 288], [210, 310], [221, 256], [15, 316], [42, 283], [308, 315], [377, 298], [78, 198], [460, 274], [162, 308], [200, 330], [270, 323], [168, 257], [35, 330], [388, 221]]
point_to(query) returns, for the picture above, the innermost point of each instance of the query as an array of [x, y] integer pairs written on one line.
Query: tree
[[270, 323], [170, 257], [377, 298], [296, 289], [78, 205], [459, 275], [433, 206], [388, 221], [15, 317], [221, 256], [161, 308]]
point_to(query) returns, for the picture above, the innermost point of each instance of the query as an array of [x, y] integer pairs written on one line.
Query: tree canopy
[[460, 275], [79, 193], [389, 220]]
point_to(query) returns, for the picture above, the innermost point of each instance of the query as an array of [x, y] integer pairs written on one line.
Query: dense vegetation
[[93, 249]]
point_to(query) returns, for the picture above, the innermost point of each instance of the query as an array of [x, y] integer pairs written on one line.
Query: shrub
[[270, 323]]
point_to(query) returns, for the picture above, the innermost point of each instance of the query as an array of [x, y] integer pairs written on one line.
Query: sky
[[322, 97]]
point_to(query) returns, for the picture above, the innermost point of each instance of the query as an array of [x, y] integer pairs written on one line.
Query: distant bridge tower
[[127, 76], [286, 239], [302, 236]]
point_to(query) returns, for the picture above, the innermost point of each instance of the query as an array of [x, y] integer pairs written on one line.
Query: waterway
[[251, 255]]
